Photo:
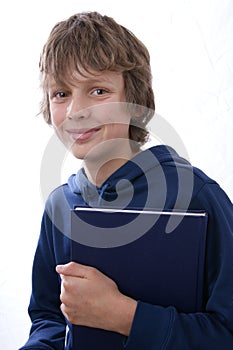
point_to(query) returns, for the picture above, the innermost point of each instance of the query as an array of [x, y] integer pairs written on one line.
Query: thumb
[[72, 269]]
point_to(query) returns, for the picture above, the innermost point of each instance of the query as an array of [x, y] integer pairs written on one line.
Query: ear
[[136, 111]]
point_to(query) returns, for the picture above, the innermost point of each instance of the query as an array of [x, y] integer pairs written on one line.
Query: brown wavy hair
[[89, 41]]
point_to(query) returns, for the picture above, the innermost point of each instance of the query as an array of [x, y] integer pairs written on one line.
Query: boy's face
[[90, 111]]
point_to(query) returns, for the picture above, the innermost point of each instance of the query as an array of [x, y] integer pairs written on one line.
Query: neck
[[99, 169]]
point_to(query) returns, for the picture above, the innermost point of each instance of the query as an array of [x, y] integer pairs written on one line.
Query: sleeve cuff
[[151, 327]]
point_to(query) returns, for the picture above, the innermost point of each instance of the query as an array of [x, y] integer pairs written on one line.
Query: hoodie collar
[[120, 179]]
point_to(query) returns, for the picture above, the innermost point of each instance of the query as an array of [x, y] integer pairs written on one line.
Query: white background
[[191, 48]]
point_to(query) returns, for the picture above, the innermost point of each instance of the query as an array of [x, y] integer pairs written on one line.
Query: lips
[[82, 135]]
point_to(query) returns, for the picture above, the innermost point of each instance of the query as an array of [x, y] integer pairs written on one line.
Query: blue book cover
[[154, 256]]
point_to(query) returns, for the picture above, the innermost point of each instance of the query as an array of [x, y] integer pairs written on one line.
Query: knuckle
[[68, 314], [63, 299], [67, 284], [72, 264], [63, 310], [92, 271], [71, 319]]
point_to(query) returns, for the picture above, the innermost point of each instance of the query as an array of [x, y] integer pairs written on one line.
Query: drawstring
[[101, 194]]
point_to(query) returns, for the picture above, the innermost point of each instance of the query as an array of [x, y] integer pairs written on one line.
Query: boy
[[96, 80]]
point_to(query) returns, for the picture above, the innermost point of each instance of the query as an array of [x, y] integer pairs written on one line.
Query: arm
[[48, 323]]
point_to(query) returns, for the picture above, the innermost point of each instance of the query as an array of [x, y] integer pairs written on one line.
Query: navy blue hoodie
[[155, 179]]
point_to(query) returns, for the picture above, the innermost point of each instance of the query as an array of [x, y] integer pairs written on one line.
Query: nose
[[77, 109]]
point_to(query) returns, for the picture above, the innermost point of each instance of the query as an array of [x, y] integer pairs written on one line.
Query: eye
[[99, 92], [60, 94], [57, 94]]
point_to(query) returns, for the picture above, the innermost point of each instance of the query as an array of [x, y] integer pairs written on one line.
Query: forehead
[[84, 77]]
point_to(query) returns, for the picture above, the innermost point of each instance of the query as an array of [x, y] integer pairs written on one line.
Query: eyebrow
[[89, 80]]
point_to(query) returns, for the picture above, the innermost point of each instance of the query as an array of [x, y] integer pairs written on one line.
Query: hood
[[123, 183]]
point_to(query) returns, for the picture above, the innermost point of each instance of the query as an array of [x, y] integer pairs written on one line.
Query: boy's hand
[[90, 298]]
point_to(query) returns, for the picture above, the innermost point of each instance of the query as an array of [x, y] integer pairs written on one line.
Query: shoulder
[[57, 194], [190, 181], [65, 196], [178, 170], [61, 198]]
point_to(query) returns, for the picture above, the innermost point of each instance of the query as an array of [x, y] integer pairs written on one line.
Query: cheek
[[113, 112], [117, 123], [118, 130], [58, 115]]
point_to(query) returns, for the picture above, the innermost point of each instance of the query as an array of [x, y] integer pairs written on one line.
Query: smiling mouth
[[82, 135]]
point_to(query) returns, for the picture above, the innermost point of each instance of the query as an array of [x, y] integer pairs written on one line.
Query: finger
[[73, 269]]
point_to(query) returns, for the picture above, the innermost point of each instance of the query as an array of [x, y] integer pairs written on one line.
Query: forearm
[[47, 334], [48, 325]]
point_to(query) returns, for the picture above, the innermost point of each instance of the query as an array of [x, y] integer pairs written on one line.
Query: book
[[156, 257]]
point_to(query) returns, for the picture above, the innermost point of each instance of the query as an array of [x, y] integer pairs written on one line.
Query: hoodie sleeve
[[48, 323], [164, 328]]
